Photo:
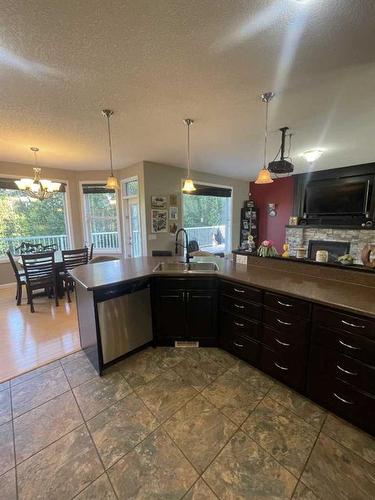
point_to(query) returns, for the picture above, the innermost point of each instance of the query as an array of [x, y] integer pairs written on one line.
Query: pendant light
[[188, 186], [37, 188], [112, 181], [264, 176]]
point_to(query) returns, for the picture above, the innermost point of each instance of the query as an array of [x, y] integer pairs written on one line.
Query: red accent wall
[[281, 192]]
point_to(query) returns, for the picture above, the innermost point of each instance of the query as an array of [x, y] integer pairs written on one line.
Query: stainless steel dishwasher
[[124, 319]]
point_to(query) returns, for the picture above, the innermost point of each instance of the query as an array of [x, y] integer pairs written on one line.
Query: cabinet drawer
[[284, 342], [288, 305], [344, 322], [355, 346], [241, 292], [336, 365], [284, 367], [285, 322], [232, 325], [239, 307], [242, 347], [344, 399]]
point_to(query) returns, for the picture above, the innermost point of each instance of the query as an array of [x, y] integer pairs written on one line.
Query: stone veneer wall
[[300, 236]]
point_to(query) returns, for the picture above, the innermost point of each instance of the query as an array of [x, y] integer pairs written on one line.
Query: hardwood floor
[[29, 340]]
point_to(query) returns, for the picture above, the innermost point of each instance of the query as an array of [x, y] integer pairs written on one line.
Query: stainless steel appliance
[[124, 320]]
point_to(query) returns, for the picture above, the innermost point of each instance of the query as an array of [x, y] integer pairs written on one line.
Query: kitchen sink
[[182, 267]]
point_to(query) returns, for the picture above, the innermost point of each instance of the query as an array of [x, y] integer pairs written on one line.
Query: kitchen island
[[314, 333]]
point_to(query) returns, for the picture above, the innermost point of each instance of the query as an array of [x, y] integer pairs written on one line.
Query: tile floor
[[169, 424]]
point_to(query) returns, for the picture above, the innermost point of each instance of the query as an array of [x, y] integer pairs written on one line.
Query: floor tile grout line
[[14, 441], [36, 375], [41, 404]]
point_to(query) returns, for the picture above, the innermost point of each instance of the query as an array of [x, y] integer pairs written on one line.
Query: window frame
[[67, 206], [100, 251], [230, 222], [124, 206]]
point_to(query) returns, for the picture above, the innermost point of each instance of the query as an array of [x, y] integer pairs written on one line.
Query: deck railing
[[207, 236], [104, 241]]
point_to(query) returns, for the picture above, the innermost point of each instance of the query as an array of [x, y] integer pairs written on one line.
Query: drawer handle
[[239, 307], [346, 371], [343, 400], [351, 324], [283, 322], [284, 304], [238, 345], [282, 343], [241, 325], [284, 368], [238, 291], [349, 346]]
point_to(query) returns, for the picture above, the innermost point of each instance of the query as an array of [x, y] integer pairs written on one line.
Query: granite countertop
[[349, 296]]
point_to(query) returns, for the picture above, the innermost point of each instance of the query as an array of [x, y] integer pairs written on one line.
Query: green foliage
[[20, 216], [204, 210]]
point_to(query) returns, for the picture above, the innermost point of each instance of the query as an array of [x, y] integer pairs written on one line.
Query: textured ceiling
[[155, 62]]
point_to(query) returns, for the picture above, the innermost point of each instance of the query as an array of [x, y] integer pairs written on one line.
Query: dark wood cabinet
[[341, 373], [324, 353], [185, 309]]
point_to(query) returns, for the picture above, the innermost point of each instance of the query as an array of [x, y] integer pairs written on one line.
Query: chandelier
[[112, 181], [264, 175], [37, 188]]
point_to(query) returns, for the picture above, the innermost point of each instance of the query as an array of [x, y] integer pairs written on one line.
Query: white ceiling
[[155, 62]]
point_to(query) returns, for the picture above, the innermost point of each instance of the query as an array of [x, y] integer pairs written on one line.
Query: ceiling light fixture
[[112, 181], [37, 188], [188, 186], [312, 155], [264, 176]]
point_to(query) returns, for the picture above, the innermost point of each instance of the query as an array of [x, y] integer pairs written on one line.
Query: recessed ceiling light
[[312, 155]]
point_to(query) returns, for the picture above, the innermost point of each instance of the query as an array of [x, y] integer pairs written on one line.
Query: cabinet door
[[170, 314], [201, 311]]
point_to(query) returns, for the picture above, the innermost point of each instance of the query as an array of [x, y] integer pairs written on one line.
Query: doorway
[[132, 220]]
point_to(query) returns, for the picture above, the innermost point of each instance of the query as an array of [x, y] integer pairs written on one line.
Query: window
[[101, 217], [207, 217], [23, 219]]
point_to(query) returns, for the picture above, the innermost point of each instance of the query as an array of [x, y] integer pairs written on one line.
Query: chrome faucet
[[182, 230]]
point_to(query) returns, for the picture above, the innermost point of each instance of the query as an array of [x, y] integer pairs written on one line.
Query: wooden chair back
[[13, 264], [74, 258], [39, 267]]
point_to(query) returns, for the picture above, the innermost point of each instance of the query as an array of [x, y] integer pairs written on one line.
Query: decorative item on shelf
[[301, 253], [285, 253], [264, 176], [188, 186], [112, 181], [249, 224], [271, 209], [368, 255], [346, 260], [321, 256], [249, 204], [37, 188], [293, 220], [250, 243], [266, 249]]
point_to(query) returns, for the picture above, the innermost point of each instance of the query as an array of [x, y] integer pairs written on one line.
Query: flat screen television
[[345, 196]]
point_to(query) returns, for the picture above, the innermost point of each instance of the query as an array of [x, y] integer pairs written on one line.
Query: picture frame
[[173, 200], [159, 221], [173, 213], [159, 202]]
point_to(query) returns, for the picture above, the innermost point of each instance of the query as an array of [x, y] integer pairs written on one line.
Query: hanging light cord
[[110, 144], [188, 149], [265, 137]]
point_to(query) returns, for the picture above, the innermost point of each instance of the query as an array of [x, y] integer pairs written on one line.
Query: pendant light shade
[[112, 181], [264, 176], [188, 186]]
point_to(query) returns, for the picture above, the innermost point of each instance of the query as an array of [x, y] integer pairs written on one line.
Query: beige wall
[[164, 180], [73, 179]]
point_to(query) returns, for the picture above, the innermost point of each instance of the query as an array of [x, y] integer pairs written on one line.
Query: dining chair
[[20, 277], [72, 259], [91, 251], [40, 273], [103, 258]]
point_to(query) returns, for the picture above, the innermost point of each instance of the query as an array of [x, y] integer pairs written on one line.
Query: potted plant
[[266, 249]]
